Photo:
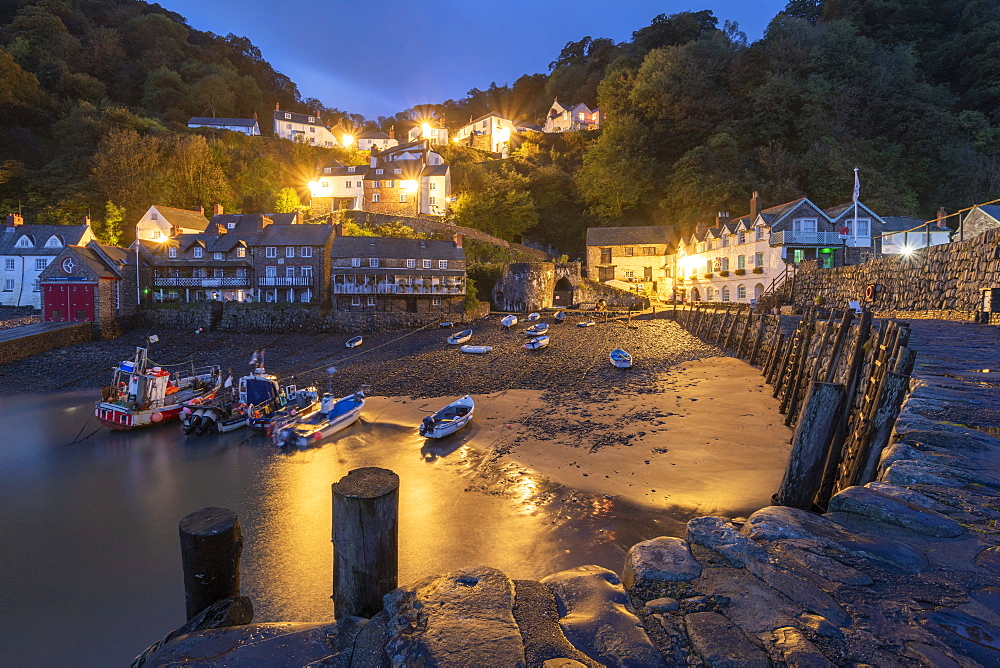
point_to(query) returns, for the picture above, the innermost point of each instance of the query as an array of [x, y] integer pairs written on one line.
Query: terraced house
[[631, 258], [398, 275], [25, 252]]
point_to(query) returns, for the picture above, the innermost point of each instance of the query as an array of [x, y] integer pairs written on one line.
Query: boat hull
[[119, 417], [447, 421], [476, 350], [303, 434]]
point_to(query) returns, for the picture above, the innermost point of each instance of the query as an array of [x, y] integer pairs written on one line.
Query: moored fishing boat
[[354, 343], [297, 403], [537, 342], [508, 321], [449, 419], [620, 358], [460, 337], [476, 350], [257, 394], [141, 393], [537, 330], [332, 416]]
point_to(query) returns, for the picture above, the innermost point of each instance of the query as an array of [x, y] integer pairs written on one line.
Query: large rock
[[869, 503], [721, 644], [537, 615], [909, 496], [753, 605], [662, 559], [596, 618], [797, 651], [464, 618], [721, 536]]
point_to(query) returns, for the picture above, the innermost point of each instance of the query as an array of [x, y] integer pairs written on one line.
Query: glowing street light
[[408, 185], [503, 135], [318, 189], [347, 141], [428, 130]]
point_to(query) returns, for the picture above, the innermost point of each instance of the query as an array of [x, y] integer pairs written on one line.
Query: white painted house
[[490, 132], [305, 128], [431, 131], [904, 235], [25, 252], [159, 223], [375, 139], [569, 119]]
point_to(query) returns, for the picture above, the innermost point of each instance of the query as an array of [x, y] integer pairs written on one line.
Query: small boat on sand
[[533, 317], [354, 343], [460, 337], [620, 358], [476, 350], [537, 342], [537, 330], [508, 321], [332, 416], [586, 323], [560, 316], [449, 419], [447, 325]]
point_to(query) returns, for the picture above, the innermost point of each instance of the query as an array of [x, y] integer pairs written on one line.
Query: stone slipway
[[904, 571]]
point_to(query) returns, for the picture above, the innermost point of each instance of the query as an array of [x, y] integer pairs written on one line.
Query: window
[[628, 273], [397, 171], [324, 183], [605, 256], [758, 259], [289, 272], [327, 170], [351, 169], [402, 198], [156, 234], [9, 264], [411, 264], [864, 227], [24, 242], [270, 251], [288, 116], [741, 237], [355, 262], [218, 273], [708, 293], [8, 285], [389, 183], [442, 264], [741, 262], [306, 296], [725, 293], [741, 292], [373, 262], [312, 130], [427, 264], [307, 271], [306, 251], [198, 273], [230, 226], [270, 271], [41, 263], [289, 251], [649, 250], [725, 264], [435, 301], [376, 184], [360, 183], [291, 295], [376, 197], [432, 200], [288, 126], [371, 301], [725, 240], [378, 171], [152, 215], [798, 256], [172, 253], [804, 225], [216, 256], [197, 251], [241, 251], [629, 252], [433, 186], [355, 301]]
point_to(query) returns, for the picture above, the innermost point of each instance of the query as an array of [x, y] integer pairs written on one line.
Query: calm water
[[88, 528]]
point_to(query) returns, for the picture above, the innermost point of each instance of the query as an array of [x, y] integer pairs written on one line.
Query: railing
[[191, 282], [391, 289], [284, 281], [810, 238]]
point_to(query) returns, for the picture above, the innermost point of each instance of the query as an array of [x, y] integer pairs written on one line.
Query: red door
[[81, 303], [54, 301], [69, 303]]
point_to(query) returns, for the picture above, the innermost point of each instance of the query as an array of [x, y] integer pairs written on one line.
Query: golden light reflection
[[408, 185]]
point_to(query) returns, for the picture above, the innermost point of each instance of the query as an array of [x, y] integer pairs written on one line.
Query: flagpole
[[857, 192]]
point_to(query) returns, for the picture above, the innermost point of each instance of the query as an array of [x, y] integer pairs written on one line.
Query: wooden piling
[[211, 544], [890, 399], [804, 472], [365, 540]]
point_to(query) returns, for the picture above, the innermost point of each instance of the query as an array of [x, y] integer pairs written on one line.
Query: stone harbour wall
[[528, 286], [942, 279]]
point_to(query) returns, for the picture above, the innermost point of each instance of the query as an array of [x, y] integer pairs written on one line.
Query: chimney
[[392, 132], [721, 218], [941, 215], [14, 219], [299, 217], [374, 160], [277, 107], [754, 206], [338, 229], [86, 220], [701, 228], [200, 209], [458, 239], [216, 210]]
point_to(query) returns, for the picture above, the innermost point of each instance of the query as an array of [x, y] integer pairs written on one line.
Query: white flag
[[857, 186]]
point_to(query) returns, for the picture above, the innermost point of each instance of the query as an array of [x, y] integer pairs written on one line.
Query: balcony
[[191, 282], [284, 281], [788, 238], [395, 289]]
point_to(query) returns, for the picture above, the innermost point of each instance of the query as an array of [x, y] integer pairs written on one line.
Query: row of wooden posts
[[365, 547], [840, 381]]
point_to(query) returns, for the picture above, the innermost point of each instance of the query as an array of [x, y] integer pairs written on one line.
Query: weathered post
[[890, 399], [813, 433], [755, 350], [365, 540], [211, 544]]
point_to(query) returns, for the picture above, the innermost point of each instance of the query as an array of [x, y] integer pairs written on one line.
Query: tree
[[110, 230], [496, 201], [287, 201], [127, 167]]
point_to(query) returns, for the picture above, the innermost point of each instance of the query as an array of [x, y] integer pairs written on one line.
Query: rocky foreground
[[903, 571]]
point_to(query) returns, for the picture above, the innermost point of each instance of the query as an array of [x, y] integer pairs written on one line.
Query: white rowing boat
[[620, 358], [537, 330], [586, 323], [328, 420], [537, 342], [447, 325], [560, 316], [508, 321], [449, 419], [460, 337], [476, 350], [355, 342], [533, 317]]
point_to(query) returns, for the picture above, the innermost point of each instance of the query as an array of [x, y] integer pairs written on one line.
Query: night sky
[[378, 57]]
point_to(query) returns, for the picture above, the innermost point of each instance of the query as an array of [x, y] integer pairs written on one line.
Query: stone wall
[[286, 318], [528, 286], [939, 279], [34, 341]]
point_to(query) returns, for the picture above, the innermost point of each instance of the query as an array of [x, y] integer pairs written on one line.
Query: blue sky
[[379, 57]]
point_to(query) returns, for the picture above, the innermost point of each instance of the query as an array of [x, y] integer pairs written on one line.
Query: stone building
[[978, 220], [92, 283], [561, 118], [490, 132], [631, 258], [382, 274], [290, 263], [201, 267], [25, 252]]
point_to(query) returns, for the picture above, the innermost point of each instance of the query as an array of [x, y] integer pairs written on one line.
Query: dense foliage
[[93, 96]]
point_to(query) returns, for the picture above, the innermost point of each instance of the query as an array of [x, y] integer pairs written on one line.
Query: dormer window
[[355, 262], [312, 119], [197, 252], [378, 171], [327, 170], [54, 242], [217, 256], [373, 262], [24, 242], [172, 253], [241, 252], [288, 116], [351, 169], [397, 171]]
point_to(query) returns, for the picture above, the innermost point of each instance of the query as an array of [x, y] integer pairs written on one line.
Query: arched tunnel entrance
[[562, 294]]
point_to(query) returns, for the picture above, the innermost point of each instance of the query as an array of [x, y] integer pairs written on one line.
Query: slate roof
[[625, 236], [249, 223], [841, 209], [191, 220], [373, 134], [773, 213], [39, 234], [207, 120], [991, 210], [293, 235], [279, 115], [901, 224], [435, 170], [391, 247], [96, 263]]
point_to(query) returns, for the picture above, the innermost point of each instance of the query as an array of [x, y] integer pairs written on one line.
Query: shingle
[[391, 247]]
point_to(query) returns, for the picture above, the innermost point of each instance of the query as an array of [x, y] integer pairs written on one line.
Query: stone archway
[[695, 295], [758, 291], [563, 293]]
